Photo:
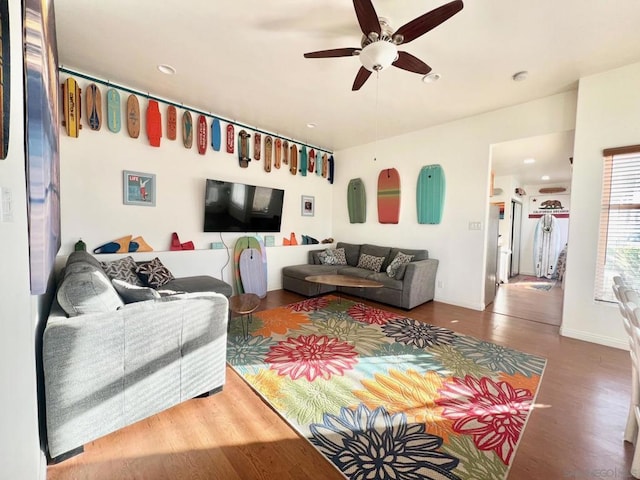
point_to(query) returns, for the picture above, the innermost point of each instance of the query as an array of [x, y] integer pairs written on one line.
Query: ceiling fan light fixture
[[166, 69], [431, 77], [378, 55]]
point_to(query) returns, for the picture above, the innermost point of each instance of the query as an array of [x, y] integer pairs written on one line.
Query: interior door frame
[[515, 242]]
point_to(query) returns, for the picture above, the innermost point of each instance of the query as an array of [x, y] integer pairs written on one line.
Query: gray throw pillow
[[154, 274], [369, 262], [133, 293], [398, 265], [122, 269], [86, 289], [333, 256]]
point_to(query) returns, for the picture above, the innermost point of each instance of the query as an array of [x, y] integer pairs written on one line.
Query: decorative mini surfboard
[[154, 123], [71, 107], [293, 161], [318, 164], [312, 161], [216, 139], [285, 152], [202, 134], [114, 122], [388, 196], [325, 165], [356, 201], [252, 272], [94, 107], [430, 194], [268, 153], [330, 169], [278, 159], [187, 129], [243, 148], [230, 139], [303, 161], [133, 116], [172, 122], [257, 146]]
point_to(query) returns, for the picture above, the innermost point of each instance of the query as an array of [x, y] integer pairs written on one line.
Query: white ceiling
[[243, 59]]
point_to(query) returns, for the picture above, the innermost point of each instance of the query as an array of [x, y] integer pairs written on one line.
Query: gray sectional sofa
[[107, 363], [412, 285]]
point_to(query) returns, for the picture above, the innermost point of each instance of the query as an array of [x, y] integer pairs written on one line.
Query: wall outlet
[[440, 284]]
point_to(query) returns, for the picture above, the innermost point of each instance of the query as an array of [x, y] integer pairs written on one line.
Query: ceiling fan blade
[[367, 17], [336, 52], [361, 77], [430, 20], [406, 61]]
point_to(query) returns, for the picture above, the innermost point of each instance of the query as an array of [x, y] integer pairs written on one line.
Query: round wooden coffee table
[[244, 305]]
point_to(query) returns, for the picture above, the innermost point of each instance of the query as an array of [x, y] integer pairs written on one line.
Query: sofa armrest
[[419, 282], [104, 371], [311, 260]]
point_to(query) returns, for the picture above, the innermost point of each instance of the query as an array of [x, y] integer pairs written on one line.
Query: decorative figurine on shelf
[[80, 246]]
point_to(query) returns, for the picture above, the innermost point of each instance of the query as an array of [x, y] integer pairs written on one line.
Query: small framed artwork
[[308, 206], [139, 188]]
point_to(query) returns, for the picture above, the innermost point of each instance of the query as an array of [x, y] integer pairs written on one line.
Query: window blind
[[619, 234]]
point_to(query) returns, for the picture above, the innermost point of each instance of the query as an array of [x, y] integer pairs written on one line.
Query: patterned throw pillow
[[154, 273], [333, 256], [123, 269], [398, 265], [133, 293], [370, 262]]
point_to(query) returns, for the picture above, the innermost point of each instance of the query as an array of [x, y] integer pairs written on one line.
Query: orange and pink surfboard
[[388, 196]]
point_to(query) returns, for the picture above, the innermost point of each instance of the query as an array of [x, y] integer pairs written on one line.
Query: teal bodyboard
[[216, 135], [430, 194], [356, 201], [303, 161], [114, 121]]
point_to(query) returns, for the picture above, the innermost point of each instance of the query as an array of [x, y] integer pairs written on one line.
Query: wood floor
[[575, 431]]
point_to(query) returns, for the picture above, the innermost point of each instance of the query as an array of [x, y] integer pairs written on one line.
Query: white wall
[[20, 455], [608, 115], [463, 149], [92, 196]]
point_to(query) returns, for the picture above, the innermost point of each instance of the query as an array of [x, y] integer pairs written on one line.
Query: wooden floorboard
[[574, 432]]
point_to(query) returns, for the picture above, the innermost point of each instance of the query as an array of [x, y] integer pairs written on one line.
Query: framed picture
[[308, 206], [139, 188]]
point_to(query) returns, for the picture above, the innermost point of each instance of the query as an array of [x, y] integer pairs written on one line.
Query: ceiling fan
[[379, 45]]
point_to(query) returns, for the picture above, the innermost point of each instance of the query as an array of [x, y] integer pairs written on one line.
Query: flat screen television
[[237, 207]]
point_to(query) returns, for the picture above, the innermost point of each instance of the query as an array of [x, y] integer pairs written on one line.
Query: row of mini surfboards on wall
[[430, 193], [276, 151]]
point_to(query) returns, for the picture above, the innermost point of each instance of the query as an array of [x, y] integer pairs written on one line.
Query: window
[[619, 236]]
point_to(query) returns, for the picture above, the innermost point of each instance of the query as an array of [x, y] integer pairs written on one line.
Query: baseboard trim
[[472, 306], [593, 338]]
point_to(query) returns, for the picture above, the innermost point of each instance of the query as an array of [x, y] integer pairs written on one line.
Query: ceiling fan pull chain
[[377, 115]]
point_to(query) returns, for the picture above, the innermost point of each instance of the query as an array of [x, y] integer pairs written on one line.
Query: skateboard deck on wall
[[257, 146], [216, 135], [252, 272], [303, 161], [154, 123], [241, 244], [318, 164], [312, 161], [133, 116], [389, 196], [202, 134], [172, 122], [325, 165], [278, 156], [293, 161], [243, 148], [187, 129], [330, 170], [94, 107], [114, 121], [71, 106], [356, 201], [230, 139], [430, 194], [285, 152], [268, 152]]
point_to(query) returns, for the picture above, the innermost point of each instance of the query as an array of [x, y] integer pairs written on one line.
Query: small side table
[[244, 305]]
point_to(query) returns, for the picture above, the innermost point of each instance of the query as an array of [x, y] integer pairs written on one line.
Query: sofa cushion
[[86, 289], [154, 273], [355, 272], [375, 250], [370, 262], [417, 255], [132, 293], [352, 252], [386, 281], [398, 265], [196, 283], [122, 269], [299, 272], [83, 257]]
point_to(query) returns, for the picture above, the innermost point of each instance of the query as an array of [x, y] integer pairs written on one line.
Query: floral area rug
[[383, 396], [534, 283]]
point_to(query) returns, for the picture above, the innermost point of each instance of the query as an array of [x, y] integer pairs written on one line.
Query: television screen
[[236, 207]]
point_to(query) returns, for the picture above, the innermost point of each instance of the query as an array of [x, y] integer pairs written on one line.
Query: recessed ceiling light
[[520, 76], [311, 125], [529, 160], [166, 69], [545, 177], [431, 77]]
